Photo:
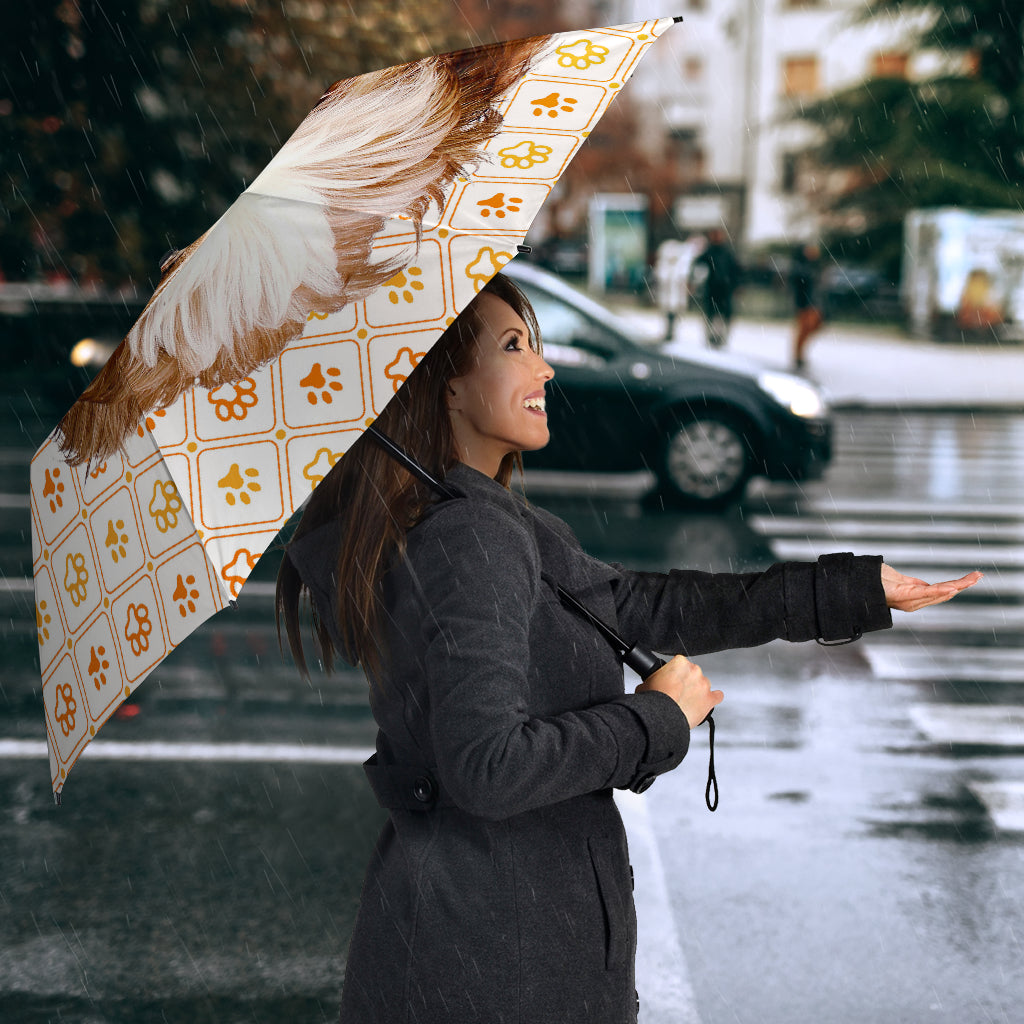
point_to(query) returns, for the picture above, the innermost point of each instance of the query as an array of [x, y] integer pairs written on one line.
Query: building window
[[695, 5], [889, 64], [791, 4], [800, 76], [693, 69]]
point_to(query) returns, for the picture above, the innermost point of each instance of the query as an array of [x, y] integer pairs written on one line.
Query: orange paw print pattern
[[166, 505], [236, 572], [76, 576], [524, 154], [398, 370], [404, 285], [64, 708], [98, 665], [151, 421], [322, 463], [53, 489], [316, 381], [138, 637], [487, 263], [185, 594], [43, 620], [497, 205], [581, 54], [233, 401], [552, 104], [116, 540], [237, 486]]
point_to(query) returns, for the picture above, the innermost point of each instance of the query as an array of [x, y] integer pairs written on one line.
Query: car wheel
[[705, 461]]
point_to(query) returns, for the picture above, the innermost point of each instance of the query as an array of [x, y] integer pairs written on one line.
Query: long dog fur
[[299, 237]]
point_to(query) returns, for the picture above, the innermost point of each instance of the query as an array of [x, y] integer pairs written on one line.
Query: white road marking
[[969, 555], [946, 530], [1004, 802], [988, 725], [259, 753], [953, 664], [662, 976]]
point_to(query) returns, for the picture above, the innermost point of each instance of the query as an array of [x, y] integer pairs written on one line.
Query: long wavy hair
[[375, 501]]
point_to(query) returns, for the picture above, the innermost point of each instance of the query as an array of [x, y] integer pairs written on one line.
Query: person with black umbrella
[[500, 886]]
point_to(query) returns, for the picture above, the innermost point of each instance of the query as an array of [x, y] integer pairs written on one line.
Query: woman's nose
[[544, 369]]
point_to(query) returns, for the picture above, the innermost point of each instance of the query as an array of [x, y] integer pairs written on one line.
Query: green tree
[[129, 126], [955, 138]]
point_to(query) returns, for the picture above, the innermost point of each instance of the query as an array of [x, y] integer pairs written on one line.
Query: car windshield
[[564, 325]]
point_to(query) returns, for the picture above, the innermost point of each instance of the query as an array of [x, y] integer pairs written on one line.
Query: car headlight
[[795, 394]]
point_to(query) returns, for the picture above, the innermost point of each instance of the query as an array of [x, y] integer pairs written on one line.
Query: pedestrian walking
[[716, 272], [803, 279], [671, 276], [499, 888]]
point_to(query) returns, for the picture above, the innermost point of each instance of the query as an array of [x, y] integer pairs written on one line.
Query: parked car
[[703, 424]]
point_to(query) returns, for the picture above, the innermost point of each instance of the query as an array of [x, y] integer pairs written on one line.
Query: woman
[[499, 889]]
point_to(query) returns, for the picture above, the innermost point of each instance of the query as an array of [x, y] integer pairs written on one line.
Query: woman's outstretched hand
[[687, 685], [908, 594]]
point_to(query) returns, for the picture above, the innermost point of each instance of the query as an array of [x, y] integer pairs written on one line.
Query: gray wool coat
[[499, 891]]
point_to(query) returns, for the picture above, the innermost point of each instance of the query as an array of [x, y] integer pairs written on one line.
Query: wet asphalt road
[[851, 873]]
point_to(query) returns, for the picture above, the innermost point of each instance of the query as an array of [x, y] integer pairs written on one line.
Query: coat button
[[424, 789], [632, 883], [643, 783]]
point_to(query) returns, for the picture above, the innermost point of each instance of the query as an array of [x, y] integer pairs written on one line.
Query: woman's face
[[498, 407]]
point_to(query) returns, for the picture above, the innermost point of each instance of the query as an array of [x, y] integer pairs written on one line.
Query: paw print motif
[[166, 505], [237, 487], [398, 370], [43, 620], [233, 401], [314, 315], [96, 473], [552, 104], [64, 708], [581, 55], [186, 594], [487, 263], [524, 154], [116, 539], [138, 616], [76, 576], [151, 421], [404, 285], [53, 489], [497, 205], [322, 463], [316, 381], [98, 665], [236, 572]]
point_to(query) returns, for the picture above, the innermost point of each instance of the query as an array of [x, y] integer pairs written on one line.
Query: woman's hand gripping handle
[[687, 685]]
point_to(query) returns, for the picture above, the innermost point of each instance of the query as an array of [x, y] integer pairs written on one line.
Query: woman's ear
[[454, 399]]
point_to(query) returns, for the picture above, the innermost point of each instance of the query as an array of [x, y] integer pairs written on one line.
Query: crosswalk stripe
[[951, 529], [260, 753], [1004, 802], [970, 556], [946, 663], [988, 725]]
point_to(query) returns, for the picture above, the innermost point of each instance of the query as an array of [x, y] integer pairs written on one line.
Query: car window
[[563, 327]]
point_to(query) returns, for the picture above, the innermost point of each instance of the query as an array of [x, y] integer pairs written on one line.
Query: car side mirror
[[594, 348]]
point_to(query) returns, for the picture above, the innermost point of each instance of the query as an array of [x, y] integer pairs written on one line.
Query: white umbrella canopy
[[276, 338]]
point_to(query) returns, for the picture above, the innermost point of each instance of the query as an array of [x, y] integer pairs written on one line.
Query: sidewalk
[[862, 365]]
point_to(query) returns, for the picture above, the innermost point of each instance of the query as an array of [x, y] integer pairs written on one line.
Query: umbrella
[[273, 341]]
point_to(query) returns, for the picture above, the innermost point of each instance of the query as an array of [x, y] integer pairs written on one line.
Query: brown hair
[[375, 501]]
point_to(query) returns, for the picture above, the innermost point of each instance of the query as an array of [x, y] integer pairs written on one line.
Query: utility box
[[963, 274], [618, 242]]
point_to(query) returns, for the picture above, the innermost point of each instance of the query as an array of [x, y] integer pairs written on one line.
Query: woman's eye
[[512, 345]]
